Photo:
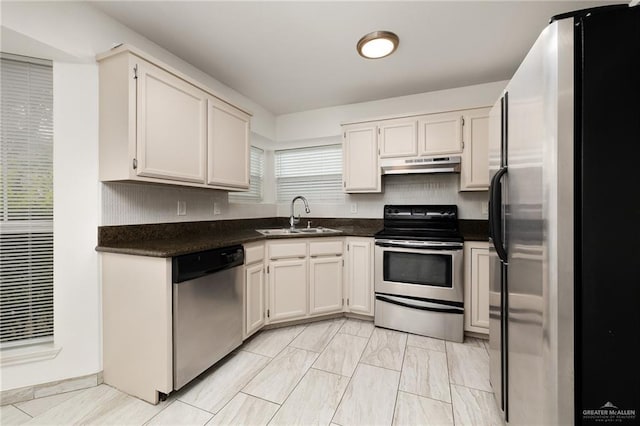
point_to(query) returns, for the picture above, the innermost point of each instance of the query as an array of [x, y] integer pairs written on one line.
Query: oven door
[[413, 269]]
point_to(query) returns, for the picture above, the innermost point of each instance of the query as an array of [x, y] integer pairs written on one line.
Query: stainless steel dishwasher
[[207, 310]]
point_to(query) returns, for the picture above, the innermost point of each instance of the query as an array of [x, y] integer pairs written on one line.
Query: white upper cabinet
[[398, 138], [474, 174], [158, 125], [171, 126], [228, 146], [361, 172], [440, 134]]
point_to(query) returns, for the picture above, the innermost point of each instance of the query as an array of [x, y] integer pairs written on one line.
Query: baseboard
[[27, 393]]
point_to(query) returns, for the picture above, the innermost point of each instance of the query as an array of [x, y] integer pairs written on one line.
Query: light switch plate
[[216, 208], [354, 207], [182, 208], [485, 207]]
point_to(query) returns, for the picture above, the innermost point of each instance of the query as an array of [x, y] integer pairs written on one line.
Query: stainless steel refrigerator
[[565, 225]]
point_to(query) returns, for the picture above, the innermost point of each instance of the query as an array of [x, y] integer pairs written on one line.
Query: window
[[314, 172], [26, 201], [256, 173]]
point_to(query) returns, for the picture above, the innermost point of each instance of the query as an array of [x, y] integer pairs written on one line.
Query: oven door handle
[[448, 310], [390, 243]]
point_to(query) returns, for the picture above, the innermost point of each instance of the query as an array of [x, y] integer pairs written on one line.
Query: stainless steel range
[[418, 271]]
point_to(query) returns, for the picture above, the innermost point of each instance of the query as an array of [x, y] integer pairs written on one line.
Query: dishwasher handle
[[195, 265]]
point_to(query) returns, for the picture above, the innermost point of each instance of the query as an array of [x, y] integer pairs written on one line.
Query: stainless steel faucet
[[295, 220]]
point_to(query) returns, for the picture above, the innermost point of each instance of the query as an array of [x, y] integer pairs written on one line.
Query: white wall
[[325, 122], [72, 34]]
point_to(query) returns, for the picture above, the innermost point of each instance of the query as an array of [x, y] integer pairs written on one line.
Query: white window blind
[[256, 173], [314, 172], [26, 202]]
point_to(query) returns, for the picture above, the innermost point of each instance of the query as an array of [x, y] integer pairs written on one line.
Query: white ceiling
[[295, 56]]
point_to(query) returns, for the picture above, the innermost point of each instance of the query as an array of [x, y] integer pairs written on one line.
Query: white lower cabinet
[[305, 278], [359, 292], [287, 289], [476, 286], [254, 296], [255, 306], [325, 285]]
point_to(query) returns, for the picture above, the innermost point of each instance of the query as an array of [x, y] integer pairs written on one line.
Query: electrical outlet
[[182, 208], [216, 208], [354, 207], [485, 207]]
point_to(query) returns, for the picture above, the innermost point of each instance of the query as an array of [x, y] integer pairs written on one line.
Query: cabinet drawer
[[285, 250], [253, 253], [325, 248]]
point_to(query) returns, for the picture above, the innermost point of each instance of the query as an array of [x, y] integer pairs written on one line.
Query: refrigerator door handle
[[495, 214]]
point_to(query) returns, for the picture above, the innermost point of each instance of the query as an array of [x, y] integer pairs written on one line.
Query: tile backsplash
[[133, 203], [441, 188]]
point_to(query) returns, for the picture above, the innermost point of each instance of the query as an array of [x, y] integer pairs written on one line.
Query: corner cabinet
[[474, 173], [159, 126], [359, 291], [476, 286], [361, 172]]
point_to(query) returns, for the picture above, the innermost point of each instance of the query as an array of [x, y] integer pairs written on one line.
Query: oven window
[[417, 268]]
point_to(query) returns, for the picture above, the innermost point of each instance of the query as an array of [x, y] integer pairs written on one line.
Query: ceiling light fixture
[[378, 44]]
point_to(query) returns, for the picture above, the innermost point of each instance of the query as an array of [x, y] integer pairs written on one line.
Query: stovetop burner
[[421, 223]]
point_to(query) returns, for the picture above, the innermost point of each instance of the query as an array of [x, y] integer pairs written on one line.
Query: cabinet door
[[440, 133], [474, 174], [325, 284], [360, 276], [171, 127], [476, 287], [398, 138], [228, 146], [254, 298], [360, 160], [287, 289]]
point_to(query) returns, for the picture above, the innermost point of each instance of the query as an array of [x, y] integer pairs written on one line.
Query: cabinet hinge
[[347, 301], [268, 313], [267, 269], [135, 72], [348, 247], [343, 301], [344, 135], [344, 184], [343, 263], [135, 164], [462, 144], [378, 130], [463, 121]]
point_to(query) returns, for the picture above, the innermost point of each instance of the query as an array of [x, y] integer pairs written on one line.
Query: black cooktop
[[421, 223]]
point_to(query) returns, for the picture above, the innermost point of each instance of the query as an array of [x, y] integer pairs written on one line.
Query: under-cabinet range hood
[[404, 166]]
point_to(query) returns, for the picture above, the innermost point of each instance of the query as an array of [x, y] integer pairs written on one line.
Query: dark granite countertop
[[174, 239], [474, 230]]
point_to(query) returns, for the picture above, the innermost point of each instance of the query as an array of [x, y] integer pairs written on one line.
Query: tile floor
[[341, 372]]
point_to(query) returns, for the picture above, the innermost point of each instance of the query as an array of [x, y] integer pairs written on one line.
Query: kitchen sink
[[297, 231]]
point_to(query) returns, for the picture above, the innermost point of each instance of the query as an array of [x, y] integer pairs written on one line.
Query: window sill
[[27, 354]]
